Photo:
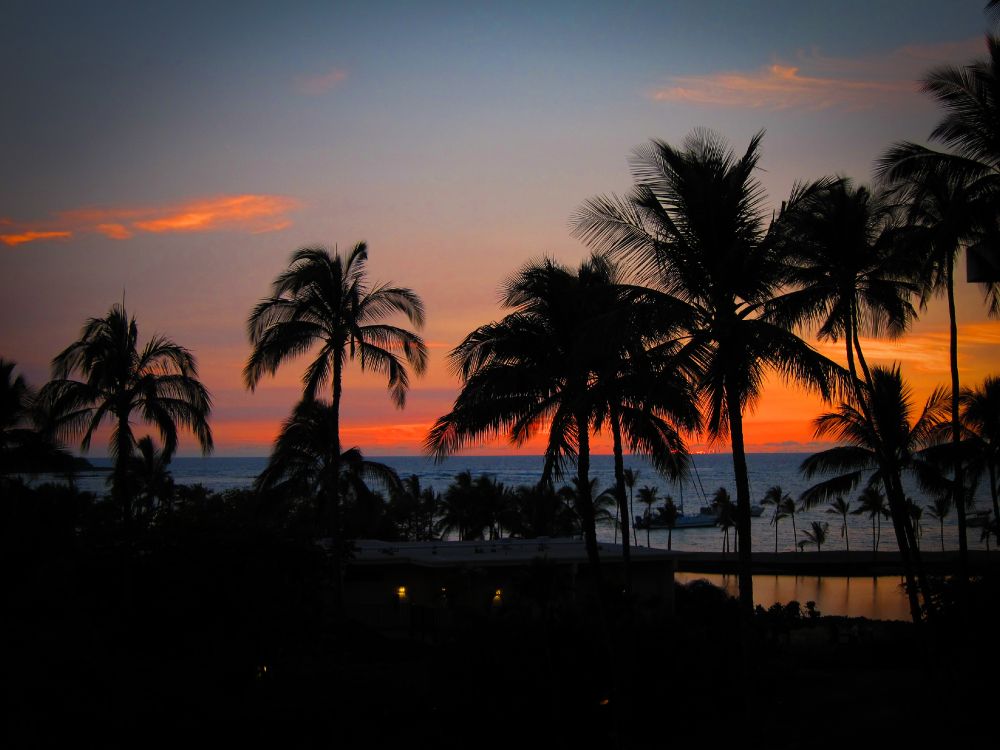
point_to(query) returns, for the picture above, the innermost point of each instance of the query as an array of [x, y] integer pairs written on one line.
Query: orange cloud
[[114, 231], [13, 240], [317, 85], [816, 82], [246, 213]]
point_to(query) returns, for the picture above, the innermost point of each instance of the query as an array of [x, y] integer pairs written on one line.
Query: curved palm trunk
[[909, 555], [847, 535], [956, 429], [616, 436], [795, 534], [897, 511], [585, 503], [742, 501]]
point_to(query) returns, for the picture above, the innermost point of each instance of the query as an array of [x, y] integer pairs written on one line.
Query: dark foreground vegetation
[[219, 621]]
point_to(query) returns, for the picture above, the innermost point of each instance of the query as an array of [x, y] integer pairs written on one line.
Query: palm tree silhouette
[[302, 469], [842, 508], [149, 474], [872, 504], [157, 383], [725, 515], [544, 364], [631, 476], [939, 510], [647, 496], [851, 277], [881, 448], [25, 445], [784, 507], [954, 199], [669, 513], [694, 226], [327, 300], [981, 420], [816, 534]]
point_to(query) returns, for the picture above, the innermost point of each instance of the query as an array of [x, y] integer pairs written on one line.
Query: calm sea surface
[[711, 472]]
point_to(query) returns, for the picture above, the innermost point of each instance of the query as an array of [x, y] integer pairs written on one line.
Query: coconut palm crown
[[120, 382]]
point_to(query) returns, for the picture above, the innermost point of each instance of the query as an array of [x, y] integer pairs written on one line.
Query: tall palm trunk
[[333, 511], [622, 511], [897, 510], [585, 503], [742, 500], [941, 522], [908, 552], [124, 449], [776, 536], [956, 428]]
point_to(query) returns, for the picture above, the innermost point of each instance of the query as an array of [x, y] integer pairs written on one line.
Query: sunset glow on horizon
[[182, 153]]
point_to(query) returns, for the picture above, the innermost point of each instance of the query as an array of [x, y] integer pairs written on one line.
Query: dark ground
[[218, 632]]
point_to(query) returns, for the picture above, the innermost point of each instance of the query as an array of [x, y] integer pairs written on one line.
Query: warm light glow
[[401, 593]]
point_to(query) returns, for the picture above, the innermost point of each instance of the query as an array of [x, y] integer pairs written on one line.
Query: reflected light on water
[[877, 598]]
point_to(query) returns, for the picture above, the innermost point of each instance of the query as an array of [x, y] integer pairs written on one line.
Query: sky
[[178, 153]]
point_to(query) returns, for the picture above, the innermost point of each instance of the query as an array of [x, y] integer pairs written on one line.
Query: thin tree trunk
[[847, 535], [993, 494], [585, 504], [333, 511], [620, 509], [956, 429], [124, 449], [670, 536], [742, 501], [775, 537], [942, 534]]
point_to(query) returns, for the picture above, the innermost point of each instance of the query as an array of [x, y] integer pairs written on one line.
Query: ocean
[[711, 471]]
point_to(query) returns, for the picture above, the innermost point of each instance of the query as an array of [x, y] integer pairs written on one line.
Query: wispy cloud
[[319, 84], [236, 213], [816, 82], [21, 238]]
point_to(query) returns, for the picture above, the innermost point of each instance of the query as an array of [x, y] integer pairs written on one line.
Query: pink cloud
[[237, 213], [317, 85], [816, 82]]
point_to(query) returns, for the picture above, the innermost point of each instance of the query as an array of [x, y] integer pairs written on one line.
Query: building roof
[[500, 552]]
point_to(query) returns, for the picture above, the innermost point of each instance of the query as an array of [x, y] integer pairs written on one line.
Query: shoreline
[[834, 563]]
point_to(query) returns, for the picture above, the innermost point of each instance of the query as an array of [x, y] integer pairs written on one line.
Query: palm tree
[[916, 513], [537, 367], [694, 226], [784, 507], [24, 442], [939, 510], [981, 420], [954, 199], [817, 534], [842, 508], [301, 467], [882, 448], [157, 384], [327, 301], [631, 476], [149, 474], [872, 503], [851, 277], [647, 496], [725, 515], [669, 513]]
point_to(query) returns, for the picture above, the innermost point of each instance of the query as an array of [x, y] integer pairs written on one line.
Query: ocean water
[[711, 471]]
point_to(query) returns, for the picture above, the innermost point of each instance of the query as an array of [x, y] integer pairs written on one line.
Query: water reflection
[[878, 598]]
